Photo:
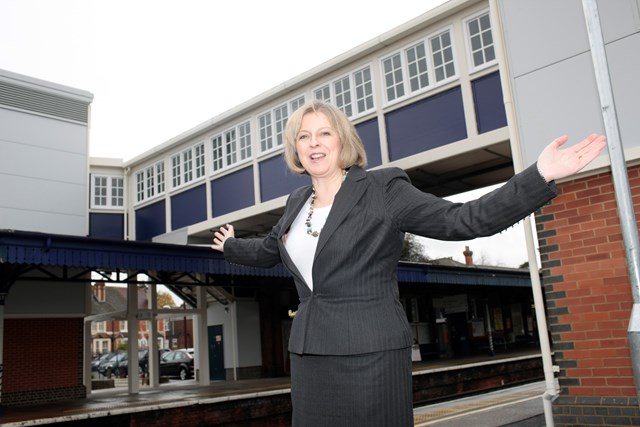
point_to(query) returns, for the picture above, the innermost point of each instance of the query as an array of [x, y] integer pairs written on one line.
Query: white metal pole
[[620, 177], [551, 389]]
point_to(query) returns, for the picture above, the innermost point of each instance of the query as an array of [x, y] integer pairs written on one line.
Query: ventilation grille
[[43, 103]]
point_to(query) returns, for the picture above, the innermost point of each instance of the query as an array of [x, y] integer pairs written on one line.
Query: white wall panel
[[43, 174], [551, 69]]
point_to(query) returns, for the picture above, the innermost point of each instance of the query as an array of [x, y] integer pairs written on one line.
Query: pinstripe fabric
[[373, 390], [353, 317], [354, 306]]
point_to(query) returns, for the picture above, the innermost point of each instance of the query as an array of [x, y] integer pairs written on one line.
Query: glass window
[[199, 160], [323, 93], [230, 147], [481, 40], [117, 191], [140, 186], [364, 90], [150, 184], [107, 191], [280, 120], [176, 177], [217, 152], [244, 140], [342, 89], [100, 190], [442, 54], [160, 177], [417, 66], [297, 103], [187, 166], [393, 79], [266, 132], [352, 93]]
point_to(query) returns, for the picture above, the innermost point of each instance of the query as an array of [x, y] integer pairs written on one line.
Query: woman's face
[[318, 146]]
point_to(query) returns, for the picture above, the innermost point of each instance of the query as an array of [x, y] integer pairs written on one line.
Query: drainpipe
[[620, 177], [551, 390]]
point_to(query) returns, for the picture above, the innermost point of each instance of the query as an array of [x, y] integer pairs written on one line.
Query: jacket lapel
[[296, 202], [350, 193]]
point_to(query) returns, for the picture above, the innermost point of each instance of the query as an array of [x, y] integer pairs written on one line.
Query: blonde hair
[[352, 150]]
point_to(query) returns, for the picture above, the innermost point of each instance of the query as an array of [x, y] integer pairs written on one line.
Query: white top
[[300, 245]]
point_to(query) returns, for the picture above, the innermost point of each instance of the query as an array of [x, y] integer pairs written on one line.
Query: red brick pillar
[[589, 302]]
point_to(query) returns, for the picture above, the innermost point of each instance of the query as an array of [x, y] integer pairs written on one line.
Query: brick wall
[[589, 299], [42, 361]]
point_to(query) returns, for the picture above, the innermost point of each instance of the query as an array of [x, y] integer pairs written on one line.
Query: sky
[[158, 68]]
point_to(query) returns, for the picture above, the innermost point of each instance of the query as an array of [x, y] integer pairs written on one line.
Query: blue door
[[216, 354]]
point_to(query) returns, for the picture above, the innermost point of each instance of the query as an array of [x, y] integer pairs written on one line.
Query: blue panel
[[277, 180], [426, 124], [370, 135], [106, 225], [150, 221], [232, 192], [488, 102], [189, 207]]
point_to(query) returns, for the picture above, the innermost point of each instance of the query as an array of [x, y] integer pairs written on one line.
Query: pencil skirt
[[373, 389]]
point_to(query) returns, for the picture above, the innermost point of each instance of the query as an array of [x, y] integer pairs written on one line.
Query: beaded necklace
[[312, 203]]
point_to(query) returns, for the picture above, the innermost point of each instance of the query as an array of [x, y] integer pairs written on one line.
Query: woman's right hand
[[220, 236]]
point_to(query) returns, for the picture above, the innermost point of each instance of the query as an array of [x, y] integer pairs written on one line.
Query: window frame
[[276, 125], [142, 182], [188, 165], [405, 82], [470, 52], [241, 145], [108, 191], [327, 92]]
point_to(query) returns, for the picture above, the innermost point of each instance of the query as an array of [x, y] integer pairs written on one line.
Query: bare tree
[[413, 250]]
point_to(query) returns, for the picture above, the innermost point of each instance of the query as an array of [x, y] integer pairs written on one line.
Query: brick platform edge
[[35, 397], [596, 411]]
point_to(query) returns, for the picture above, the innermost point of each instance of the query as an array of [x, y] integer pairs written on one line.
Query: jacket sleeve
[[427, 215], [260, 252]]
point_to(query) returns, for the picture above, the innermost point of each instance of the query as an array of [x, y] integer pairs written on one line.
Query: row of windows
[[98, 327], [107, 191], [411, 70]]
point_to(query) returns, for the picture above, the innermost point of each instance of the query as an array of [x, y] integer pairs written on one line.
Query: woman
[[341, 239]]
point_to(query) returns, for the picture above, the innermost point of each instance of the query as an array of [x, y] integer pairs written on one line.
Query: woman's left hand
[[556, 163]]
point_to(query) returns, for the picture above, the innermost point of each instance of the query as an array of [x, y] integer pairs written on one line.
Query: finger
[[559, 141], [594, 143]]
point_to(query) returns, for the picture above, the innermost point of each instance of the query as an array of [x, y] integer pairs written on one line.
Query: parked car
[[95, 363], [114, 365], [177, 363]]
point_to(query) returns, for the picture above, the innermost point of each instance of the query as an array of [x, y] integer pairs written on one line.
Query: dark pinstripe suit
[[354, 307]]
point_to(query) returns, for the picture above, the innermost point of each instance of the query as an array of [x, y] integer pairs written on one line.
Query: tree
[[412, 250], [165, 299]]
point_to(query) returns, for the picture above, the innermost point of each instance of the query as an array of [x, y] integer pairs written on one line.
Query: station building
[[461, 97]]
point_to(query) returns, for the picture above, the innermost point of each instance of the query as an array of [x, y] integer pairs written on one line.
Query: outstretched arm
[[556, 163]]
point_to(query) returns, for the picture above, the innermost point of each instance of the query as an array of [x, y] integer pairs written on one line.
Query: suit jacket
[[354, 307]]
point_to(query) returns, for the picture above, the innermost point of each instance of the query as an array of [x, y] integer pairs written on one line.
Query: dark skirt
[[373, 389]]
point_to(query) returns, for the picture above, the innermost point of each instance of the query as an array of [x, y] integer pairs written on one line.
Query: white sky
[[158, 68]]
